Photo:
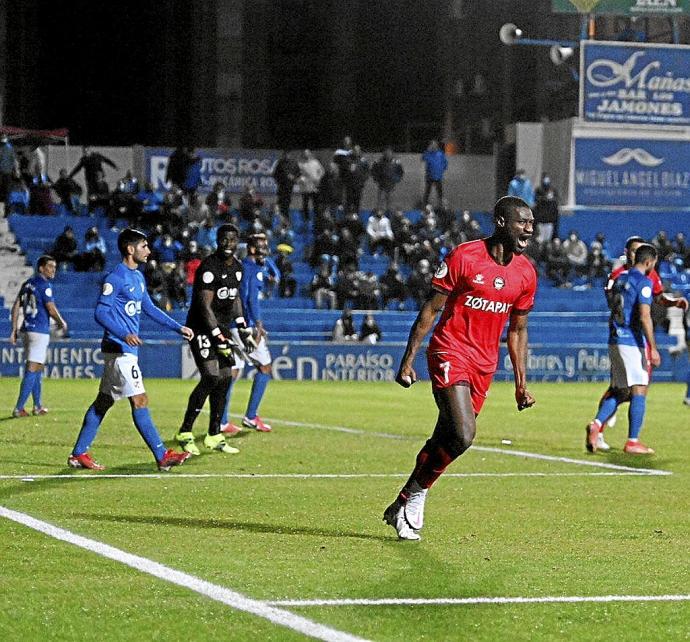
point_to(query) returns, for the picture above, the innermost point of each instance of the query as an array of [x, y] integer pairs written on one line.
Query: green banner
[[623, 7]]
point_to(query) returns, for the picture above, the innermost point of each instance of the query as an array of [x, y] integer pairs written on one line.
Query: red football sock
[[432, 461]]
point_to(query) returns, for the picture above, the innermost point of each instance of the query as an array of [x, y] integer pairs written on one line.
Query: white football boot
[[601, 443], [414, 508], [394, 515]]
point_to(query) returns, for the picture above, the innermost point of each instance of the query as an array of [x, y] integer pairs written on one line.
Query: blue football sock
[[226, 409], [606, 410], [148, 431], [89, 429], [258, 388], [36, 392], [636, 412], [26, 388]]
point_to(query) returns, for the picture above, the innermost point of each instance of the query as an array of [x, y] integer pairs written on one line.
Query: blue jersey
[[34, 295], [631, 289], [119, 308], [250, 290]]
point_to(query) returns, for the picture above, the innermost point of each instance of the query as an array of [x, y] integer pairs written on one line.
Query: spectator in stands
[[557, 264], [250, 201], [663, 245], [37, 166], [40, 198], [601, 243], [429, 231], [347, 249], [284, 235], [190, 258], [576, 252], [156, 284], [8, 162], [287, 288], [341, 158], [64, 249], [406, 241], [521, 186], [344, 328], [177, 167], [99, 195], [598, 266], [206, 236], [355, 178], [215, 201], [380, 233], [192, 177], [198, 210], [347, 286], [151, 202], [18, 195], [92, 164], [387, 172], [167, 252], [419, 282], [124, 203], [322, 290], [546, 210], [325, 248], [435, 165], [393, 287], [92, 259], [369, 331], [286, 174], [312, 172], [176, 287], [680, 249], [352, 222], [331, 187], [68, 191], [369, 291]]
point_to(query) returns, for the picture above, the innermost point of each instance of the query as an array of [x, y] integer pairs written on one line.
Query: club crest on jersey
[[442, 270], [499, 283], [204, 353], [479, 279]]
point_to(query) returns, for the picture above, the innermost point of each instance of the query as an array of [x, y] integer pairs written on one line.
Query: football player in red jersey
[[478, 287], [594, 438]]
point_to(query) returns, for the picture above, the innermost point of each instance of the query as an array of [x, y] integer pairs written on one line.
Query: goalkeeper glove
[[247, 337]]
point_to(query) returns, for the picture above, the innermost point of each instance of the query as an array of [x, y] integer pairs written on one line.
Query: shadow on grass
[[233, 525], [641, 462]]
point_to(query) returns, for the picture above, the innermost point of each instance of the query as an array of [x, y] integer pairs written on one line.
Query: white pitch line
[[86, 476], [575, 599], [500, 451], [213, 591]]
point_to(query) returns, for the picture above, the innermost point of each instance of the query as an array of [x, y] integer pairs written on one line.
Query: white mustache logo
[[625, 155]]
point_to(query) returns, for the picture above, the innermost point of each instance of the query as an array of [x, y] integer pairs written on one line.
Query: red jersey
[[481, 296], [653, 276]]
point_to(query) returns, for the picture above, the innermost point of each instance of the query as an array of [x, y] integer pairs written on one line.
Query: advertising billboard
[[641, 84], [623, 7]]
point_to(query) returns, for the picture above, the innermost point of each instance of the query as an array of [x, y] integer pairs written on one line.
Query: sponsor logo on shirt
[[132, 308], [486, 305], [479, 279], [226, 293]]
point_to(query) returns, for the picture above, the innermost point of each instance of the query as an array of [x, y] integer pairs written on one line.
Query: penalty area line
[[167, 476], [215, 592], [486, 449], [574, 599]]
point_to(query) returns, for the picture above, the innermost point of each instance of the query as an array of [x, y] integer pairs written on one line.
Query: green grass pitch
[[514, 527]]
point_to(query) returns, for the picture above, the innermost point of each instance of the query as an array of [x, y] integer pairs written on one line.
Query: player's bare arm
[[420, 328], [55, 314], [669, 301], [648, 330], [206, 310], [15, 321], [517, 348]]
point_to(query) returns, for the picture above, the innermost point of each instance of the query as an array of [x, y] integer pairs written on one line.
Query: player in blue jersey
[[35, 301], [118, 311], [257, 355], [631, 343]]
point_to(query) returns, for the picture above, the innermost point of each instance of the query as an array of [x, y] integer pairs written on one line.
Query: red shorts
[[447, 369]]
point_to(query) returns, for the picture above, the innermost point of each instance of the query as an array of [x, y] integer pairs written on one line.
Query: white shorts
[[628, 366], [121, 376], [36, 346], [259, 357]]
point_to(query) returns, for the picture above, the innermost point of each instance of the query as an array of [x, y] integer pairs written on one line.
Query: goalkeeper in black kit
[[215, 307]]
